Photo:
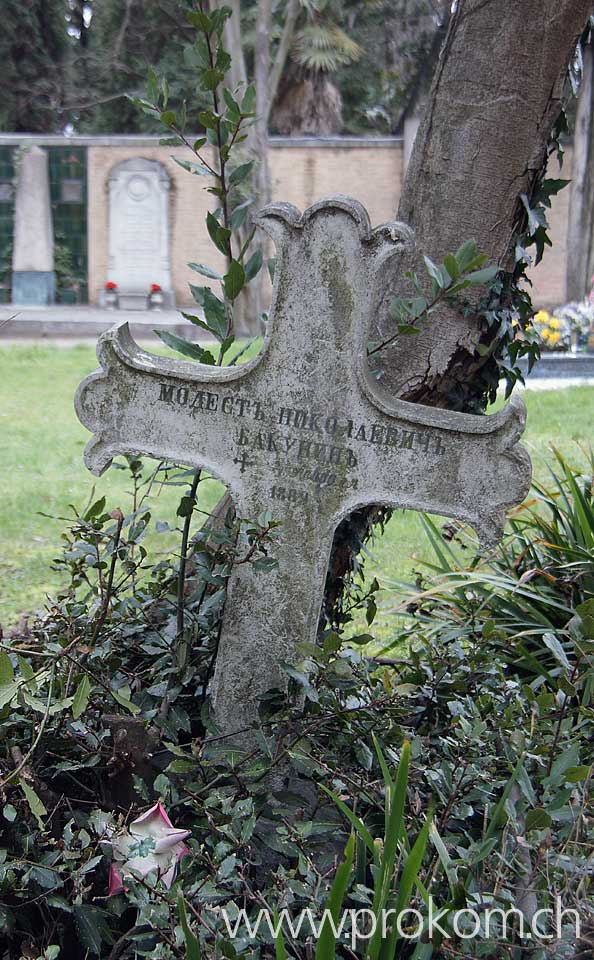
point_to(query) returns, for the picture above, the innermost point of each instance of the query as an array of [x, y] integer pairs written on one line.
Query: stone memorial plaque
[[139, 231], [305, 431]]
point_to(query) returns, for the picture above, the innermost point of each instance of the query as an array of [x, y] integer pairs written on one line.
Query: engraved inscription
[[331, 432]]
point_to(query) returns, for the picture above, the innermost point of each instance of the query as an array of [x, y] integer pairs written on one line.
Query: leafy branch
[[460, 270]]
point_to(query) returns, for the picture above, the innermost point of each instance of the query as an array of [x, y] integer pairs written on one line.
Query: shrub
[[104, 712]]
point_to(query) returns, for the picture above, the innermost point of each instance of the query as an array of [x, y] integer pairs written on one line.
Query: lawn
[[42, 471]]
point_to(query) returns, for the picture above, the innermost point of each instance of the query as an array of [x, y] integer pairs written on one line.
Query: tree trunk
[[495, 97], [580, 229], [309, 104], [496, 94], [260, 128]]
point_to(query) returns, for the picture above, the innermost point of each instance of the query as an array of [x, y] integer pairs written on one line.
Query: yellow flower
[[554, 323], [545, 334], [542, 316], [554, 337]]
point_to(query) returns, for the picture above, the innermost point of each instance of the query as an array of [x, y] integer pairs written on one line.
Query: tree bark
[[261, 69], [580, 228], [496, 94]]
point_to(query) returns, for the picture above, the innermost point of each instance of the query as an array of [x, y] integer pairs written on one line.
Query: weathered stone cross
[[302, 430]]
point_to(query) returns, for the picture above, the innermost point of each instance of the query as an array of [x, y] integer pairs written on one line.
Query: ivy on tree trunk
[[497, 94]]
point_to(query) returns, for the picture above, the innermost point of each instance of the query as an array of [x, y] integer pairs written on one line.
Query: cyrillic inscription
[[329, 444]]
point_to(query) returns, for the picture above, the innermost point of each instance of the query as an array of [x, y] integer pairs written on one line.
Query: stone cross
[[303, 430]]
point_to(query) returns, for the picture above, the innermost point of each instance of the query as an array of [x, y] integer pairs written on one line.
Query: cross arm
[[458, 465], [158, 407]]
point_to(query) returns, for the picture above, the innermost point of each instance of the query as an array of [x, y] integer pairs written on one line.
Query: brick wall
[[300, 175], [302, 171], [548, 278]]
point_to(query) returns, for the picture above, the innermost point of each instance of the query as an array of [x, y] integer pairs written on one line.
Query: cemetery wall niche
[[139, 233]]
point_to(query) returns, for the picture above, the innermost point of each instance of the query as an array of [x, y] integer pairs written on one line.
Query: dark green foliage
[[122, 43], [462, 765], [33, 47]]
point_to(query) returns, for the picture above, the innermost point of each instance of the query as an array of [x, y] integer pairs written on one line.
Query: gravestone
[[302, 430], [33, 277], [139, 232]]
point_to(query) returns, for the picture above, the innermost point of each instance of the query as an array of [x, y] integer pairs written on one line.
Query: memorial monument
[[302, 430], [33, 277], [139, 232]]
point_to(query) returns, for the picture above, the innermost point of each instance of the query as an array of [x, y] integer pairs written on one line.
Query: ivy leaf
[[234, 280], [185, 347], [536, 217]]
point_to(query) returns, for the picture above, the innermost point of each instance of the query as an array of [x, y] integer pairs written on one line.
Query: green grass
[[42, 471]]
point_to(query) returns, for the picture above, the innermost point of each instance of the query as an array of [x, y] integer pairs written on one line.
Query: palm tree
[[308, 100]]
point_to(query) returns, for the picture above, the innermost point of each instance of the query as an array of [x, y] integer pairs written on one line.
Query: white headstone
[[302, 430], [139, 232], [33, 278]]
